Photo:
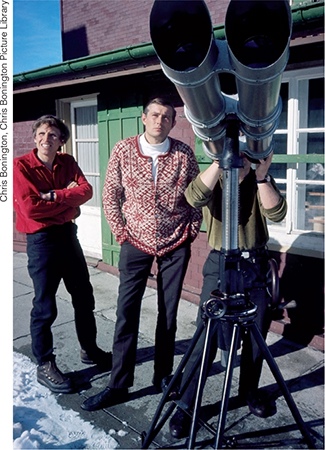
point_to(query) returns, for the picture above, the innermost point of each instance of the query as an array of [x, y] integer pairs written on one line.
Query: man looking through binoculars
[[259, 200]]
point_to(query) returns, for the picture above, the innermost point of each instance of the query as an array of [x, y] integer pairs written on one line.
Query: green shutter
[[119, 117], [203, 160]]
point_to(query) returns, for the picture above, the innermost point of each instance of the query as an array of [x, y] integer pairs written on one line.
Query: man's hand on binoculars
[[263, 167], [268, 195]]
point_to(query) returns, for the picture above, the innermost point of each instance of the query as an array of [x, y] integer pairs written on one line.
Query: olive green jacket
[[252, 229]]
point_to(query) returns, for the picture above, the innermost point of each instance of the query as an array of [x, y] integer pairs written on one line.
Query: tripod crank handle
[[273, 282]]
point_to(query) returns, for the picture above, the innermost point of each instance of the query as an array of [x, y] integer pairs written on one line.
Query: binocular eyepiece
[[251, 60]]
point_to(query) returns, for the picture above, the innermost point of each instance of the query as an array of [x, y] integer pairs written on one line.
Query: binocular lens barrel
[[258, 34], [255, 53], [182, 36]]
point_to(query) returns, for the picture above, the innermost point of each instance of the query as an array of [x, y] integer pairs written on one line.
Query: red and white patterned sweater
[[155, 218]]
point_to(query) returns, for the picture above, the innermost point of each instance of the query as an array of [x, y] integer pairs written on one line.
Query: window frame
[[74, 104], [311, 243]]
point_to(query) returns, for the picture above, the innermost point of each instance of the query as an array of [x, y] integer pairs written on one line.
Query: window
[[85, 144], [298, 162]]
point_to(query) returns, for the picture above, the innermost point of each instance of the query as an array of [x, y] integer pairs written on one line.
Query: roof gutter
[[100, 60], [305, 15]]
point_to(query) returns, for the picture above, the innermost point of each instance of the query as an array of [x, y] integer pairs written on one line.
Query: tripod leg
[[280, 380], [227, 386], [152, 430], [200, 385]]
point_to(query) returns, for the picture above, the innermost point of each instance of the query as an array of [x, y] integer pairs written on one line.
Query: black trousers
[[251, 357], [55, 254], [134, 266]]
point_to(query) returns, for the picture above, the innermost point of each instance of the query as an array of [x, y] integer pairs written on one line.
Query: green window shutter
[[203, 161], [119, 117]]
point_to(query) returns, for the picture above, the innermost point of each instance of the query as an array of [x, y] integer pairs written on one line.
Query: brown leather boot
[[50, 376], [97, 356]]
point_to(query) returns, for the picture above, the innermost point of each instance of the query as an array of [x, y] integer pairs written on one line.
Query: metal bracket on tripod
[[221, 306]]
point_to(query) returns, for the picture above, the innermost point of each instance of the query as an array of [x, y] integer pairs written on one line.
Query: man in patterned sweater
[[145, 206]]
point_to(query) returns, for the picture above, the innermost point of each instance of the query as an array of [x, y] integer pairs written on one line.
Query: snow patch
[[39, 422]]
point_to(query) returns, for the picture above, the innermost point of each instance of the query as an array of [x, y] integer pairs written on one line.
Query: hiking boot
[[50, 376], [259, 404], [97, 356], [161, 384], [180, 424]]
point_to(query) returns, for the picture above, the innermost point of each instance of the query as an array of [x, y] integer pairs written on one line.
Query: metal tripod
[[229, 304], [243, 320]]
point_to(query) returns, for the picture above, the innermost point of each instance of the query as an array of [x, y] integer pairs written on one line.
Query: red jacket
[[154, 217], [31, 176]]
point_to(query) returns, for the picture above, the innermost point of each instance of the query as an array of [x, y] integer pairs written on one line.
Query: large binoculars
[[253, 57]]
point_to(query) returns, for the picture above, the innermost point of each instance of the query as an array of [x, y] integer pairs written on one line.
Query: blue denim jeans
[[54, 254]]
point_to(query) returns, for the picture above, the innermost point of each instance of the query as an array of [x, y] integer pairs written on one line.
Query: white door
[[84, 134]]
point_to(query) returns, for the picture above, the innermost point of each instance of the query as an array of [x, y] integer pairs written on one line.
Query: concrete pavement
[[301, 367]]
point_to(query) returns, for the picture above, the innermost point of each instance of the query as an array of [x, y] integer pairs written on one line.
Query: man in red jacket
[[49, 188]]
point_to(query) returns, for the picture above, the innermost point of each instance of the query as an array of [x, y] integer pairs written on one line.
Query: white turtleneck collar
[[153, 151]]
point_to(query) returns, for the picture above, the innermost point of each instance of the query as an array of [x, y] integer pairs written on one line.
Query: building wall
[[23, 143], [90, 27], [86, 28], [183, 129], [303, 324]]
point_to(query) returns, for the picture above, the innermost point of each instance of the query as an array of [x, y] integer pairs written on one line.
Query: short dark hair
[[163, 102], [53, 121]]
